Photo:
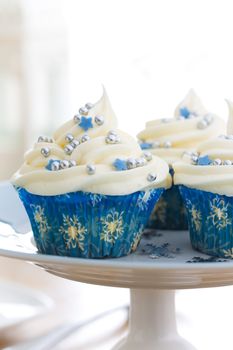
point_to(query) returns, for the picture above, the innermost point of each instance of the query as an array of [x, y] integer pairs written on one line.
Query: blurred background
[[55, 55]]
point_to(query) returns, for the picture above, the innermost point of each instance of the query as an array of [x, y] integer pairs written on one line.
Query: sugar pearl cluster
[[55, 165], [156, 144], [73, 143], [45, 139], [196, 159]]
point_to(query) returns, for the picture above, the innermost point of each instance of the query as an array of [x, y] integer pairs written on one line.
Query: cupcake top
[[88, 153], [191, 125], [211, 167]]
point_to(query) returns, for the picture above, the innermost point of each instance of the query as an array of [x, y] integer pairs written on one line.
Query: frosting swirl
[[169, 138], [213, 167], [106, 162]]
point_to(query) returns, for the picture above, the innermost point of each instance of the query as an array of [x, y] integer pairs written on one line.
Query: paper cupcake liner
[[210, 219], [170, 212], [88, 225]]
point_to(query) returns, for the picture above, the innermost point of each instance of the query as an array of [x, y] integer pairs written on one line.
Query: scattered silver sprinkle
[[167, 144], [112, 132], [68, 149], [227, 162], [45, 151], [75, 143], [202, 124], [147, 156], [90, 169], [85, 138], [156, 144], [166, 120], [153, 256], [89, 105], [55, 166], [83, 111], [72, 163], [77, 118], [151, 177], [131, 163], [64, 164], [217, 161], [99, 120], [69, 137]]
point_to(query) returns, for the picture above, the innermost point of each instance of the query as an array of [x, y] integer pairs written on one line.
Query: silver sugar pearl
[[77, 118], [41, 139], [140, 162], [75, 143], [217, 161], [222, 137], [181, 117], [151, 177], [45, 151], [55, 166], [131, 163], [69, 137], [230, 137], [165, 120], [89, 105], [112, 132], [85, 138], [68, 149], [202, 124], [90, 169], [156, 144], [208, 118], [83, 111], [147, 156], [72, 163], [167, 144], [194, 159], [99, 120], [227, 162], [112, 139], [64, 164]]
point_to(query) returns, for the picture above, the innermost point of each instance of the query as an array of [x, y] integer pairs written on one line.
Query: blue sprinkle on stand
[[86, 123], [120, 164], [205, 160]]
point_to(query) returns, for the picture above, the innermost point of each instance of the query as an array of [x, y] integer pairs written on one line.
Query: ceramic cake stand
[[163, 263]]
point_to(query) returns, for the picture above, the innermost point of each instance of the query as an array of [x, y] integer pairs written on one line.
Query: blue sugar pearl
[[185, 112], [205, 160], [146, 145], [120, 164], [86, 123]]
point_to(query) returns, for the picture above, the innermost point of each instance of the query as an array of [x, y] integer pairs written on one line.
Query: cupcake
[[206, 185], [169, 139], [90, 189]]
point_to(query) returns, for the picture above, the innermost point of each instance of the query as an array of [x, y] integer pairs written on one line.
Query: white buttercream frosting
[[216, 178], [37, 179], [184, 133]]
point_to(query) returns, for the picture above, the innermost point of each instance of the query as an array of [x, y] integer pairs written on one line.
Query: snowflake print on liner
[[195, 215], [40, 219], [136, 242], [112, 226], [219, 213], [144, 199], [73, 232]]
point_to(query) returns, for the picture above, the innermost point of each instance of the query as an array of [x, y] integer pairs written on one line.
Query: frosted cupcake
[[206, 184], [90, 189], [169, 139]]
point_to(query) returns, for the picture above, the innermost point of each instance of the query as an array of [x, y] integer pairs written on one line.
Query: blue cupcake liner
[[170, 212], [210, 219], [88, 225]]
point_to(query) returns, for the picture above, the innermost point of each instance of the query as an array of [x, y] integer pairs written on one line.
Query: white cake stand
[[163, 263]]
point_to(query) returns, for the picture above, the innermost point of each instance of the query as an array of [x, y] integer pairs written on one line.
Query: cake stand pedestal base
[[153, 322]]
